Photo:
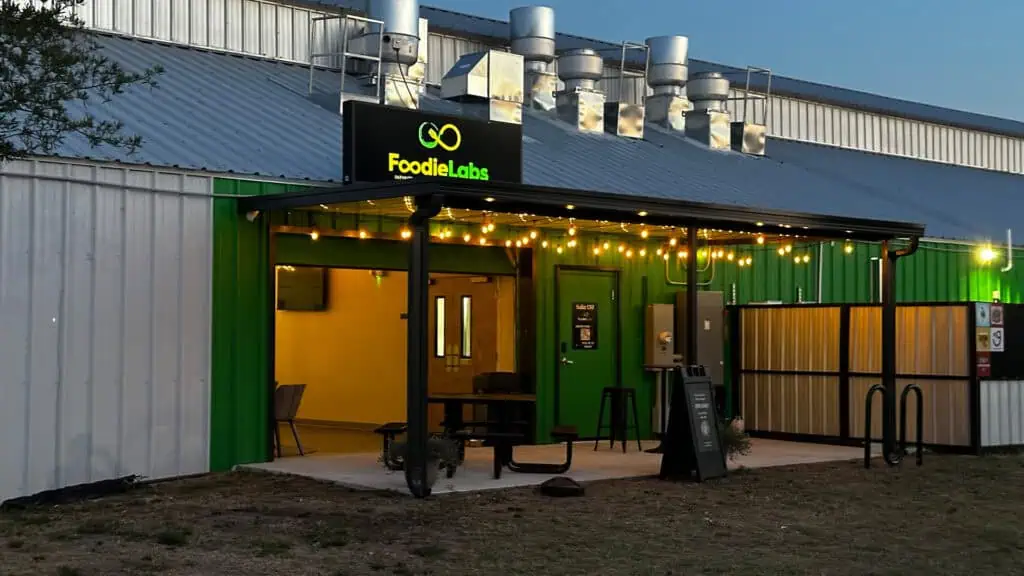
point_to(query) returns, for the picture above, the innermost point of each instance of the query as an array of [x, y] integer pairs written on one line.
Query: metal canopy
[[430, 196], [584, 204]]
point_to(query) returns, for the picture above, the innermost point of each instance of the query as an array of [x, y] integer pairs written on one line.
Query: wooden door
[[466, 344]]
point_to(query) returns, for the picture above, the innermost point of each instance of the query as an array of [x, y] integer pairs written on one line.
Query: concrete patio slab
[[364, 472]]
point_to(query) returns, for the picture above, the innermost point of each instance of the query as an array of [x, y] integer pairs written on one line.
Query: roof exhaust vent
[[709, 120], [749, 133], [667, 73], [624, 118], [532, 35], [397, 43], [581, 103]]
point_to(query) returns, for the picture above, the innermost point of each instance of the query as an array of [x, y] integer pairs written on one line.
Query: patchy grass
[[956, 515]]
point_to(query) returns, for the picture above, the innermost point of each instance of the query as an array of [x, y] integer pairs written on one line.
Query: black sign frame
[[692, 443], [385, 143], [584, 326]]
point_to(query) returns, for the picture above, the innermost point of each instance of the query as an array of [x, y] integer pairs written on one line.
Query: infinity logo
[[431, 136]]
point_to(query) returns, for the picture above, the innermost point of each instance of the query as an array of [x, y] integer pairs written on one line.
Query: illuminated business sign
[[382, 143]]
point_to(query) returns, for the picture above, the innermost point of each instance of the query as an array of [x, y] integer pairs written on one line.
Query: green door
[[588, 345]]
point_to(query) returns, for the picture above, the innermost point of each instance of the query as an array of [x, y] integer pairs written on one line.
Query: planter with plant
[[735, 441], [442, 454]]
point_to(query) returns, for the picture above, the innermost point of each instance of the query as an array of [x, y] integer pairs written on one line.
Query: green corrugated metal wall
[[239, 398], [937, 273]]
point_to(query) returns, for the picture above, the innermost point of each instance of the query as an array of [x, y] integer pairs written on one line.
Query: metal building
[[126, 281]]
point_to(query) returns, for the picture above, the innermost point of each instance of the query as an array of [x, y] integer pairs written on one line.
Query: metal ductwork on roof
[[709, 120], [580, 103], [749, 135], [621, 117], [489, 84], [667, 74], [532, 35]]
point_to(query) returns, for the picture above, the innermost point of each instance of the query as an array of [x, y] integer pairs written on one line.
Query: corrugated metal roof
[[955, 201], [229, 113]]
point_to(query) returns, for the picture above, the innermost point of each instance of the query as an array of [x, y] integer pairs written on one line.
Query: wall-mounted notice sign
[[983, 339], [984, 363], [995, 340], [584, 326], [995, 315], [982, 315]]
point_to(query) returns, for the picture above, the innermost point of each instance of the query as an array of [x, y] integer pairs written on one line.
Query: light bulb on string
[[749, 260], [597, 251], [848, 248], [558, 249], [672, 241], [730, 257], [644, 234], [605, 246], [490, 227], [467, 238], [807, 258], [659, 252], [363, 234], [508, 243], [622, 248], [789, 248], [544, 244], [572, 243], [406, 233], [314, 235], [629, 253], [782, 251], [533, 234], [760, 239], [483, 241], [643, 252]]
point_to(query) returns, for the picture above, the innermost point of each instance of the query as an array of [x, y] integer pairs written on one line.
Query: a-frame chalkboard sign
[[692, 443]]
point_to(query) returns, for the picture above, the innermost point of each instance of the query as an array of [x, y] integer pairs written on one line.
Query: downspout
[[889, 258], [1009, 251], [821, 269]]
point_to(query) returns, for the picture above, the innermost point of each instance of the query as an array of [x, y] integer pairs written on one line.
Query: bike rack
[[919, 441], [895, 459]]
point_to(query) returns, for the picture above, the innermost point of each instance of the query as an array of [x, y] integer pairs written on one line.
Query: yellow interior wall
[[506, 323], [352, 356]]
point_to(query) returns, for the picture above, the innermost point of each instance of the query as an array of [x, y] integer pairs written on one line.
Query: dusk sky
[[958, 54]]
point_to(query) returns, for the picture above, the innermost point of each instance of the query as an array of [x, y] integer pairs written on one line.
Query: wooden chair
[[287, 398]]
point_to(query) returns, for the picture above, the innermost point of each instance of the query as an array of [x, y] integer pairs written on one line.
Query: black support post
[[416, 346], [692, 323]]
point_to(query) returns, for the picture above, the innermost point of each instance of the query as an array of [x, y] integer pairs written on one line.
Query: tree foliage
[[48, 62]]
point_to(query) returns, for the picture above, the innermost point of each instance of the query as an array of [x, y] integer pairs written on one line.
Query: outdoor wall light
[[986, 254]]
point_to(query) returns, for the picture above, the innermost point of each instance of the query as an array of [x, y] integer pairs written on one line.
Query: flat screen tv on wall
[[301, 288]]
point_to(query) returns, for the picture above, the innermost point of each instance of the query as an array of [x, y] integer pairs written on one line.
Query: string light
[[665, 256], [629, 253], [644, 234], [363, 234], [519, 243], [406, 233], [807, 258], [760, 239], [681, 254], [572, 243], [659, 252], [749, 260], [314, 235], [730, 257], [622, 248], [483, 241], [558, 249], [508, 243], [848, 248], [533, 234], [597, 251], [782, 251], [789, 248], [672, 241], [572, 230], [544, 244], [467, 238], [643, 252], [605, 246]]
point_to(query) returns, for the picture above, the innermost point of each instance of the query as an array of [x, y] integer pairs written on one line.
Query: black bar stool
[[618, 401]]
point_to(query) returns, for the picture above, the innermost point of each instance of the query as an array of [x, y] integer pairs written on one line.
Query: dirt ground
[[957, 515]]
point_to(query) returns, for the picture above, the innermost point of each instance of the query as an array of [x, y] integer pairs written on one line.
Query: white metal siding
[[1002, 413], [105, 286], [281, 32]]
